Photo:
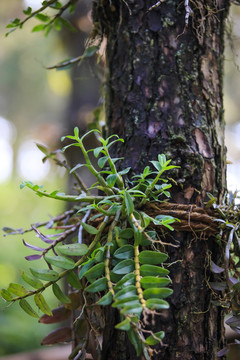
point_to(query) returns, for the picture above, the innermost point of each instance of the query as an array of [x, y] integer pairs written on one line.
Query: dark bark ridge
[[164, 95]]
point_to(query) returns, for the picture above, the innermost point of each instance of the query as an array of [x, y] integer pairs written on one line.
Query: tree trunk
[[164, 95]]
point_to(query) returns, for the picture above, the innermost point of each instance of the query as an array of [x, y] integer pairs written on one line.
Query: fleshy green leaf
[[42, 17], [98, 285], [34, 282], [111, 180], [157, 293], [124, 267], [95, 272], [124, 252], [27, 308], [128, 202], [28, 11], [135, 340], [72, 279], [106, 299], [102, 161], [152, 270], [44, 274], [41, 304], [151, 340], [157, 304], [125, 171], [6, 295], [152, 281], [135, 308], [86, 267], [90, 229], [128, 279], [17, 289], [126, 233], [131, 300], [73, 249], [59, 294], [126, 292], [39, 27], [60, 261], [152, 257], [124, 325], [97, 151]]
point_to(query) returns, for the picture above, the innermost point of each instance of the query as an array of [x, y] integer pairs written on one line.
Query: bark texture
[[164, 95]]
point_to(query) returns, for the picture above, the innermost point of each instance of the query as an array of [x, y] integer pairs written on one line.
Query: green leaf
[[42, 17], [156, 165], [135, 340], [17, 289], [124, 252], [126, 292], [131, 300], [67, 24], [162, 159], [157, 293], [132, 309], [59, 294], [28, 11], [85, 268], [128, 279], [72, 279], [111, 180], [126, 233], [73, 249], [60, 261], [58, 24], [102, 161], [98, 285], [125, 171], [76, 167], [6, 295], [42, 305], [152, 270], [157, 304], [152, 257], [44, 274], [97, 151], [34, 282], [89, 52], [124, 325], [39, 27], [128, 202], [151, 340], [124, 267], [27, 308], [90, 229], [152, 281], [106, 299], [95, 272]]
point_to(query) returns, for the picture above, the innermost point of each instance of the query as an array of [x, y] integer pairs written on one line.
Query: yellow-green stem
[[138, 276], [108, 255]]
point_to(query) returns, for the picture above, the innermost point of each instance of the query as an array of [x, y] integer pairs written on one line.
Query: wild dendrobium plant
[[111, 252]]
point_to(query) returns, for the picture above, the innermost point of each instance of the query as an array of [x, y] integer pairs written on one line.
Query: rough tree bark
[[164, 95]]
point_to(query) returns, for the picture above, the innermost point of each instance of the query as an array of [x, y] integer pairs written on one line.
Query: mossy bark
[[164, 95]]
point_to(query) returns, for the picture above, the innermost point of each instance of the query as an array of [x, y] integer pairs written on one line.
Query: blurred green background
[[37, 105]]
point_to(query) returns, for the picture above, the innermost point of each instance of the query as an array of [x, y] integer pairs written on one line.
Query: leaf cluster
[[112, 255], [47, 22]]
